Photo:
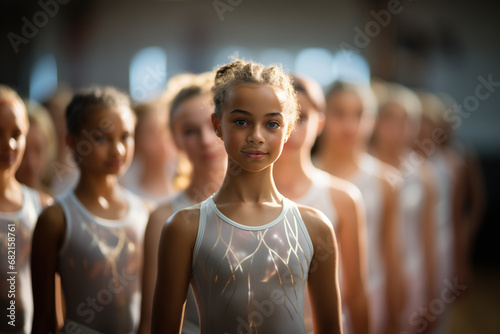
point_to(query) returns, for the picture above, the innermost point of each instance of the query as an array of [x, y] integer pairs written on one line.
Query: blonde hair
[[365, 94], [240, 72], [392, 93], [433, 108], [39, 116], [10, 96]]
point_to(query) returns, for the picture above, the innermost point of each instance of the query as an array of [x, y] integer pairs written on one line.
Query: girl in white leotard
[[349, 121], [93, 235], [396, 129], [247, 251], [19, 208], [339, 200], [191, 127]]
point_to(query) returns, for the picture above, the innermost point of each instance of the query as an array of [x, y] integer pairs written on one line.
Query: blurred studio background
[[445, 46]]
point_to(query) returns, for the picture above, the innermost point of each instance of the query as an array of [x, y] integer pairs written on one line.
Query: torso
[[251, 278], [99, 263]]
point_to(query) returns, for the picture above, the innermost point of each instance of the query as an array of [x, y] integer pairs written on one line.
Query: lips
[[254, 154]]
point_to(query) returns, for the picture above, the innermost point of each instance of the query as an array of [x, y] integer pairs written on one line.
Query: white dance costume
[[251, 279], [368, 182], [100, 263], [319, 196], [16, 230], [191, 322], [411, 210]]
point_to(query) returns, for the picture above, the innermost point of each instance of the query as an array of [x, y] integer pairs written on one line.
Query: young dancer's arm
[[351, 235], [323, 280], [391, 251], [175, 255], [428, 240], [47, 240], [150, 261]]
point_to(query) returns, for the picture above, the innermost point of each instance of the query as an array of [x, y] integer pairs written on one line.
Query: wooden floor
[[478, 309]]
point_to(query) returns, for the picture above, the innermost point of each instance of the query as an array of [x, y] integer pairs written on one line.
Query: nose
[[118, 148], [255, 136]]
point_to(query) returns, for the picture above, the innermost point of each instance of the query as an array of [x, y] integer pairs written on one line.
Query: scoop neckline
[[228, 220], [100, 220]]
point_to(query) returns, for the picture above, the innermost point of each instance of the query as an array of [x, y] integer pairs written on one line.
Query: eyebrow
[[271, 114]]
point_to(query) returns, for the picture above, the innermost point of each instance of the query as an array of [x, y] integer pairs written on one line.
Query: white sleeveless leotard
[[191, 322], [368, 182], [251, 279], [319, 196], [444, 223], [100, 263], [16, 229], [411, 209]]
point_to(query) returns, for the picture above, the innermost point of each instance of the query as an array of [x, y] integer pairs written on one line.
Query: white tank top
[[16, 229], [99, 263], [411, 208], [368, 182], [251, 279], [444, 224], [191, 322]]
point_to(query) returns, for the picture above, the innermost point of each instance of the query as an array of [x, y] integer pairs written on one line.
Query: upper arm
[[322, 281], [47, 240], [175, 254], [351, 237], [151, 242]]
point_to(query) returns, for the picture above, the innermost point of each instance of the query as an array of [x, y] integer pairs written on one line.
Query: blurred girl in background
[[396, 129], [19, 209], [41, 148], [349, 119], [93, 235], [297, 179], [191, 126]]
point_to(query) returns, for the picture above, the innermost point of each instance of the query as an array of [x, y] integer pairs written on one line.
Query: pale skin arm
[[352, 244], [391, 250], [323, 282], [174, 271], [150, 262], [47, 240]]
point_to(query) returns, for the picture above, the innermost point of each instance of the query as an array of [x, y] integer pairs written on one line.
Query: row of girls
[[85, 237]]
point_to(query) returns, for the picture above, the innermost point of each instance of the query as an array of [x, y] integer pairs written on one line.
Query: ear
[[216, 125], [321, 123]]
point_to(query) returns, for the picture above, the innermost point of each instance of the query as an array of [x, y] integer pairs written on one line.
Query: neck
[[248, 187], [296, 166], [97, 186], [339, 161], [8, 184], [204, 182], [387, 154]]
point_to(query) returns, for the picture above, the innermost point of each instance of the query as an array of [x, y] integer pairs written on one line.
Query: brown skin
[[97, 190], [248, 194], [295, 164]]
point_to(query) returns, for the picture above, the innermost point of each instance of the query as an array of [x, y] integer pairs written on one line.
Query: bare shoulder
[[160, 215], [317, 224], [45, 199], [344, 193], [184, 222], [51, 223]]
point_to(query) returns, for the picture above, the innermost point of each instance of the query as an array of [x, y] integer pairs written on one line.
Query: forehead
[[109, 117], [195, 108], [256, 98], [12, 113]]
